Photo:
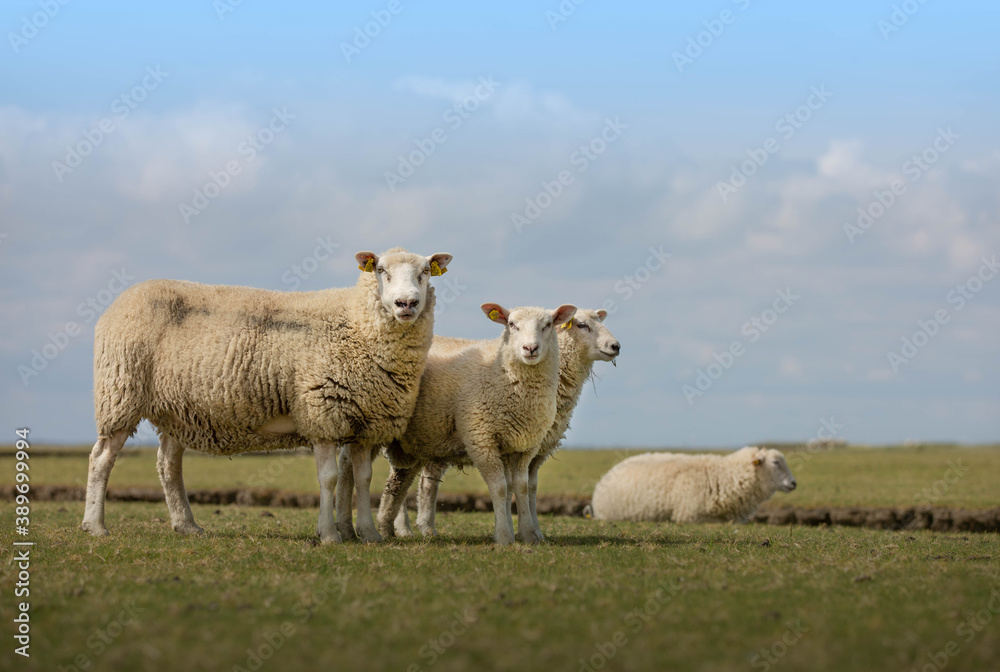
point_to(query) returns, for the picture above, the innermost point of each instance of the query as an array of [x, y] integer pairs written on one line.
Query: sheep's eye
[[513, 326], [546, 326], [427, 271], [581, 325]]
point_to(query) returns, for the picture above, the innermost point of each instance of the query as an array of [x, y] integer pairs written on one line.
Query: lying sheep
[[691, 488], [493, 401], [228, 370], [583, 341]]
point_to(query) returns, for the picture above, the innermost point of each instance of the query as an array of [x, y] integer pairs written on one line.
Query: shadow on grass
[[599, 540], [579, 533], [567, 540], [440, 541]]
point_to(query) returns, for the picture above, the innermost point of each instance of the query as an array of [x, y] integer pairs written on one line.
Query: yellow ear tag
[[369, 265], [758, 462], [494, 314], [437, 270], [568, 324]]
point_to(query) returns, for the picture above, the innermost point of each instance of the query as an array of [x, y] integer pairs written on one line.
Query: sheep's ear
[[366, 261], [601, 314], [496, 312], [439, 263], [563, 313]]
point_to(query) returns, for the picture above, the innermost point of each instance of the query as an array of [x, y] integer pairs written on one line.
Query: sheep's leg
[[327, 473], [345, 496], [102, 461], [491, 468], [394, 500], [430, 480], [510, 494], [536, 463], [169, 458], [526, 526], [401, 526], [361, 459]]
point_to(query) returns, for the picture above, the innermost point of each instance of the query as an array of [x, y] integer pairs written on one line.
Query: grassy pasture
[[707, 597], [258, 593], [855, 476]]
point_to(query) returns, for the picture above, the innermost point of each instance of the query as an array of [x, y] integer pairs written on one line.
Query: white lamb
[[229, 370], [493, 401], [583, 341], [691, 488]]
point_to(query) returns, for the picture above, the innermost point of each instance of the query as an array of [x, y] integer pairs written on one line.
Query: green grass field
[[854, 476], [615, 596]]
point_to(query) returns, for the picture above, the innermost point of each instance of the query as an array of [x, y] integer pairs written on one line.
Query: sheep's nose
[[616, 347], [530, 349], [407, 303], [794, 484]]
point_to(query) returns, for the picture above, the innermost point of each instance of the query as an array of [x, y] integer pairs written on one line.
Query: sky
[[790, 210]]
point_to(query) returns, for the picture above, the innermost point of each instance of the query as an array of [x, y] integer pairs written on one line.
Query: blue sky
[[329, 128]]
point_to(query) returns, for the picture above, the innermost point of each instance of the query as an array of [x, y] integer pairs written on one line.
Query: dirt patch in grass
[[940, 519]]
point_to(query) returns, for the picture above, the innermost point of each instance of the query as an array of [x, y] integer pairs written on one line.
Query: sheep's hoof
[[401, 532], [386, 527], [189, 528], [369, 535], [533, 537], [346, 531], [503, 539], [96, 529], [329, 538], [428, 531]]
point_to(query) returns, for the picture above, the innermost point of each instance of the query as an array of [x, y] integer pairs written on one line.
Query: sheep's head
[[587, 329], [772, 468], [403, 279], [530, 332]]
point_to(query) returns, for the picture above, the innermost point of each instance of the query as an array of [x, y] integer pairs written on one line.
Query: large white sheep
[[229, 370], [691, 488], [583, 341], [493, 401]]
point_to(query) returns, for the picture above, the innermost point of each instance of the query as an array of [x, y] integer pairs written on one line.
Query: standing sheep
[[583, 341], [229, 370], [493, 401], [691, 488]]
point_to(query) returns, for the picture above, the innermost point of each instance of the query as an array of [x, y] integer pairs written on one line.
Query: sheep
[[492, 401], [229, 370], [691, 488], [583, 341]]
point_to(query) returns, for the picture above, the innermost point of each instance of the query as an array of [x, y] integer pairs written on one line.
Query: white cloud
[[147, 157], [843, 164], [790, 367], [987, 164], [436, 87], [519, 103], [166, 156], [765, 242], [513, 102]]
